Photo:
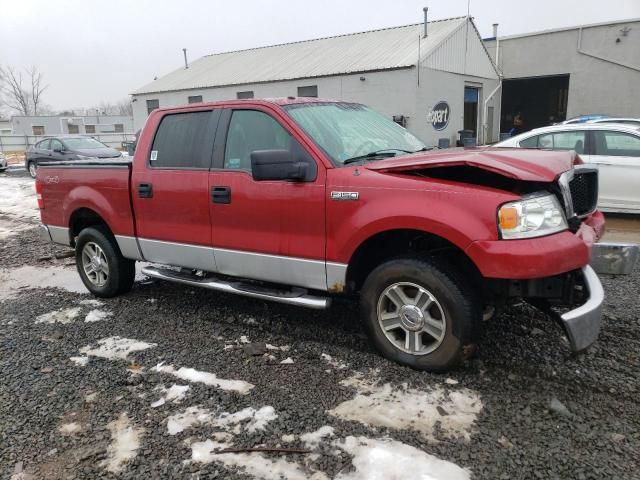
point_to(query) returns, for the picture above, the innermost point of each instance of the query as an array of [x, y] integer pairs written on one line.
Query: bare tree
[[25, 100], [37, 88], [125, 107]]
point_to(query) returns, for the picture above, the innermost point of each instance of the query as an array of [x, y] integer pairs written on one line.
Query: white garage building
[[436, 78]]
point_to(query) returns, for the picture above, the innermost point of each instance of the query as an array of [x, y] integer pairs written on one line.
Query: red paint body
[[300, 220]]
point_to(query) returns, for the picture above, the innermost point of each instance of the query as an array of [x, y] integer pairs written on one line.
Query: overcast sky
[[93, 51]]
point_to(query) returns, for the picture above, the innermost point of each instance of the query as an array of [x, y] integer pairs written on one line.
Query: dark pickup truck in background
[[300, 200]]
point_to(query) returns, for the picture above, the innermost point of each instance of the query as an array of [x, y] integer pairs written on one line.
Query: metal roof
[[385, 49]]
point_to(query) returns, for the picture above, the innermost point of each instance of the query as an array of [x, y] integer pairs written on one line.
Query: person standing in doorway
[[518, 123]]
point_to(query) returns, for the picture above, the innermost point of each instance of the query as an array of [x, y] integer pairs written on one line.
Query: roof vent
[[186, 63], [495, 30]]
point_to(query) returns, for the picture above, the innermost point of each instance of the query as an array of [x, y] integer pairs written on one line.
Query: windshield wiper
[[378, 153]]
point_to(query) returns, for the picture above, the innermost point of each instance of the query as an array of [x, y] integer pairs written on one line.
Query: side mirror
[[277, 165]]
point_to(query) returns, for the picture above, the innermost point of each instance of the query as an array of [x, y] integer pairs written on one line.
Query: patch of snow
[[15, 279], [244, 339], [18, 205], [70, 428], [451, 381], [174, 394], [288, 438], [312, 439], [253, 464], [405, 408], [287, 361], [80, 361], [387, 459], [191, 416], [62, 315], [283, 348], [248, 419], [193, 375], [116, 348], [125, 441], [91, 397], [334, 363], [97, 315]]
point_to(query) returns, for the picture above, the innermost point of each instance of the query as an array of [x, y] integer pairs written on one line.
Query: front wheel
[[32, 169], [419, 313], [102, 268]]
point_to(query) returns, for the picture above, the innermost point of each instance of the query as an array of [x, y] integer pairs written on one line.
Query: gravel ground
[[523, 408]]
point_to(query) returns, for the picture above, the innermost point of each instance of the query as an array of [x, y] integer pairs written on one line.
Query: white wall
[[390, 93]]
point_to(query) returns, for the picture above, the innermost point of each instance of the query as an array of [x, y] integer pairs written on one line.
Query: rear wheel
[[102, 268], [419, 313], [32, 169]]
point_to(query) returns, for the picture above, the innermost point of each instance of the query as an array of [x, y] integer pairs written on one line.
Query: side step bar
[[295, 296]]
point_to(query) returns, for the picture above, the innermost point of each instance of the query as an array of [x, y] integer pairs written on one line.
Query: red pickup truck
[[298, 200]]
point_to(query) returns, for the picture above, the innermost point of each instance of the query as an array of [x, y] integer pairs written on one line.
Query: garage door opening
[[541, 101]]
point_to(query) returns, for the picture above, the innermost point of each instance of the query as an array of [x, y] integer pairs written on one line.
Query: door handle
[[221, 194], [145, 190]]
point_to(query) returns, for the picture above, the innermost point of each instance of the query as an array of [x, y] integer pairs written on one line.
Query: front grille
[[584, 191]]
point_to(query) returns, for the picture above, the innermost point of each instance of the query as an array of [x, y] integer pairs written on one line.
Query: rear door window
[[184, 140], [616, 144], [43, 145]]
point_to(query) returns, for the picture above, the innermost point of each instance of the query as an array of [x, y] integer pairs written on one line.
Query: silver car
[[3, 162]]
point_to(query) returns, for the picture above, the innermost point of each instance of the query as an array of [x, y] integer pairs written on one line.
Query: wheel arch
[[404, 242], [82, 218]]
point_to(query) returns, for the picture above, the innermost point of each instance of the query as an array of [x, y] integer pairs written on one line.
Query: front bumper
[[582, 324]]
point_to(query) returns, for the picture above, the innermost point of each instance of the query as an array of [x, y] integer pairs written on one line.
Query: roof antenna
[[425, 10], [186, 63]]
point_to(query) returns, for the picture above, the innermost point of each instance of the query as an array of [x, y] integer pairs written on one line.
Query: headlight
[[534, 216]]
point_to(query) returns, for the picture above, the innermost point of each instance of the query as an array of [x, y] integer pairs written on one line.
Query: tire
[[428, 327], [32, 168], [102, 268]]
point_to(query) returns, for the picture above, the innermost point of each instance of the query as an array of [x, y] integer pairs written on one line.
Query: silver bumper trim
[[582, 324]]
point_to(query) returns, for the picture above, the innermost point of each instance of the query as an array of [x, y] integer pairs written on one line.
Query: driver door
[[266, 230]]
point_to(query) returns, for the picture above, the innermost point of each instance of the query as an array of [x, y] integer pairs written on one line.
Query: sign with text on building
[[439, 115]]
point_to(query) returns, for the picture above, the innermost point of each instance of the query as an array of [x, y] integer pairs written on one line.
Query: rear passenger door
[[266, 230], [170, 191], [617, 156], [41, 152]]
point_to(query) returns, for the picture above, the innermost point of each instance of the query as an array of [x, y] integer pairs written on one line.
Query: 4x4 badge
[[344, 195]]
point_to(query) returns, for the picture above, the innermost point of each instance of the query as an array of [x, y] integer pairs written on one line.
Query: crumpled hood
[[518, 163]]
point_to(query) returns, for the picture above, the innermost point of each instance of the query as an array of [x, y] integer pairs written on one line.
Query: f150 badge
[[344, 195]]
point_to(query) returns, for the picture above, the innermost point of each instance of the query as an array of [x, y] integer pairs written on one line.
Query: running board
[[295, 296]]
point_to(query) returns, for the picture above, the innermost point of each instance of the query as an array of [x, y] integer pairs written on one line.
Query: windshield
[[83, 143], [347, 130]]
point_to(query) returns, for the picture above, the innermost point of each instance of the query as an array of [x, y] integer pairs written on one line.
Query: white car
[[613, 148], [3, 162]]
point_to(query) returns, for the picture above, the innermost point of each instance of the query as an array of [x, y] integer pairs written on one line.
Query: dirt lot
[[150, 384]]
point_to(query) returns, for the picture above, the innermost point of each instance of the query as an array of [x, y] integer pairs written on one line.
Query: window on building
[[251, 130], [183, 140], [38, 129], [244, 95], [118, 128], [73, 129], [195, 98], [89, 129], [308, 91], [152, 105], [616, 144]]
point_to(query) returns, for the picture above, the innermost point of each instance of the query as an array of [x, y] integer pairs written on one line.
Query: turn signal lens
[[39, 195], [535, 215], [508, 218]]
